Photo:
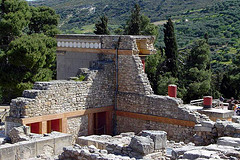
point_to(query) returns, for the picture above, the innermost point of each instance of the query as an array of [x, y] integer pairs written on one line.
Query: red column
[[207, 102], [172, 91], [143, 62]]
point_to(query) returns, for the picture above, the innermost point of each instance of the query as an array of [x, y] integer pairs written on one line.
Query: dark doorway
[[100, 123]]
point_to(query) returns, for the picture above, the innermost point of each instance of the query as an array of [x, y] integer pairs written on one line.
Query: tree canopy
[[27, 49], [102, 26], [171, 49]]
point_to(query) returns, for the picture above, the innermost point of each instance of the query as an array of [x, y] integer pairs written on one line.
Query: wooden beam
[[92, 50], [156, 118], [65, 115]]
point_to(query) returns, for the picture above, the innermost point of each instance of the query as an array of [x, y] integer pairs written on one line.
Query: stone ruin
[[102, 89]]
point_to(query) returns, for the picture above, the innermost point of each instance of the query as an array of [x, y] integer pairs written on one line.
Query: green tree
[[198, 73], [44, 20], [30, 59], [151, 68], [171, 49], [134, 23], [146, 27], [14, 20], [26, 55], [140, 24], [102, 26]]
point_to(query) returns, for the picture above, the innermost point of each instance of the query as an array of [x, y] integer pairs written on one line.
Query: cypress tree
[[171, 49], [102, 26], [134, 24]]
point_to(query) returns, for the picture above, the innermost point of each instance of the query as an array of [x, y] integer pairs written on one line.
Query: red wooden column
[[90, 124], [207, 102], [143, 62], [109, 123], [172, 91]]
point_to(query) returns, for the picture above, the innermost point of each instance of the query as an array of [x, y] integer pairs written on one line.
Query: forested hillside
[[78, 13]]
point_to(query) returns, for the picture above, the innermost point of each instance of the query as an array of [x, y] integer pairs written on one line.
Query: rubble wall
[[54, 97], [136, 96], [174, 132], [78, 126]]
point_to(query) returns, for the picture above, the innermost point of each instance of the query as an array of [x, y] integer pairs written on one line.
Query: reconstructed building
[[109, 94]]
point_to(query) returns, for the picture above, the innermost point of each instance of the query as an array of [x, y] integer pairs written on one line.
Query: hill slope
[[78, 13]]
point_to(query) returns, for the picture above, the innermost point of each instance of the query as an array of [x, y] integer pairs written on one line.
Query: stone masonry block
[[7, 152], [209, 124], [45, 146], [200, 128], [61, 141], [142, 145], [26, 150], [159, 138]]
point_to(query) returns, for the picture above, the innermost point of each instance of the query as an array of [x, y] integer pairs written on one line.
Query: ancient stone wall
[[174, 132], [65, 96], [136, 96], [61, 96]]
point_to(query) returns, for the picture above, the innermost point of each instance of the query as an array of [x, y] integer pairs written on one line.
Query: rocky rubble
[[207, 132], [89, 153], [226, 148], [128, 145], [18, 134]]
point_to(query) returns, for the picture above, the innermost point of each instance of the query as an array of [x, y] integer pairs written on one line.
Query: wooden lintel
[[156, 118], [92, 50], [65, 115]]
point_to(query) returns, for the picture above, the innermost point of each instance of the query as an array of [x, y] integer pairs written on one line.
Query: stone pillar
[[207, 102], [172, 90]]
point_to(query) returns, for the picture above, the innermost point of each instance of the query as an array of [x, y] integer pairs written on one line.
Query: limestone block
[[45, 146], [176, 152], [142, 145], [61, 141], [26, 150], [159, 138], [7, 152], [18, 134], [199, 127], [229, 141], [194, 154], [226, 150], [209, 124]]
